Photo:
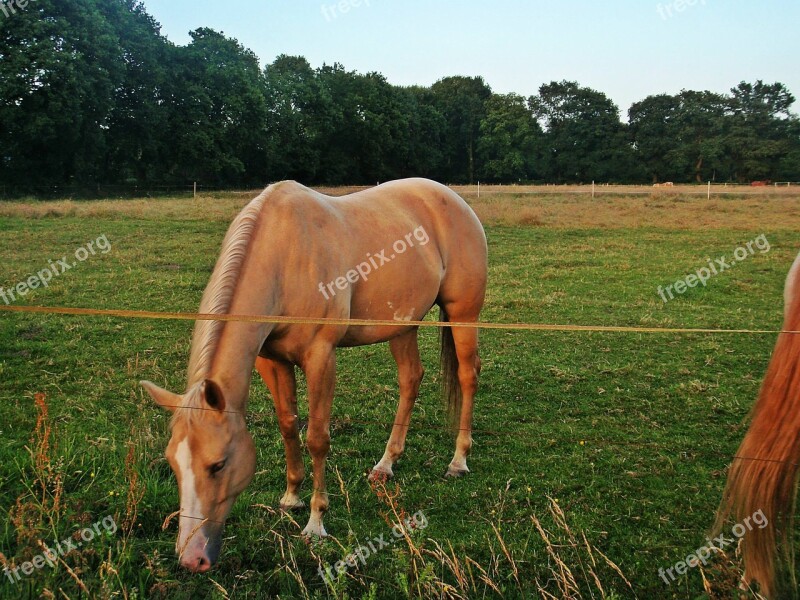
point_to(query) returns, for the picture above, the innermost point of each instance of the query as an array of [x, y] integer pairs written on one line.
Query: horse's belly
[[366, 335], [411, 305]]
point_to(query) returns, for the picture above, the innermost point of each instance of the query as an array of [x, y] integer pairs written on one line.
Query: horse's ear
[[212, 395], [163, 398]]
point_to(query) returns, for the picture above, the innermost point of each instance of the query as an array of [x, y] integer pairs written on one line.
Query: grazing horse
[[388, 253], [763, 477]]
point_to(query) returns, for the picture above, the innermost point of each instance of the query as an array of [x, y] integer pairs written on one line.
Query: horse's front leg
[[319, 367], [279, 378]]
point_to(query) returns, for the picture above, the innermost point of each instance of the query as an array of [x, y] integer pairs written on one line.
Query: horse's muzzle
[[200, 554]]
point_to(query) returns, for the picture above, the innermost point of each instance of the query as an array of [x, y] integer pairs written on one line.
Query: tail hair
[[763, 476], [448, 363]]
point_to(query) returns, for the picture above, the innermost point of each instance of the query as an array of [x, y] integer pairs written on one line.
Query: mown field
[[599, 457]]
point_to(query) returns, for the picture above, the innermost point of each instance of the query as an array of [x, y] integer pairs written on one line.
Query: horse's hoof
[[452, 473], [380, 475], [292, 505], [315, 530]]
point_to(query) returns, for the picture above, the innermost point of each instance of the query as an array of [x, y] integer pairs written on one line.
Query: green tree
[[59, 69], [217, 112], [654, 133], [297, 113], [367, 131], [700, 130], [585, 138], [759, 129], [789, 165], [136, 143], [423, 155], [510, 147], [462, 102]]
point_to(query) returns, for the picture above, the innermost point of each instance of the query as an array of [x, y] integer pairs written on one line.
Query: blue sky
[[627, 49]]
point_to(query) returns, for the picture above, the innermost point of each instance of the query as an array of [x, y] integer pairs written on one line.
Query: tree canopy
[[92, 93]]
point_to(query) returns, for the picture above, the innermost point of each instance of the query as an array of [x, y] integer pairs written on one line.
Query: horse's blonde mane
[[220, 290]]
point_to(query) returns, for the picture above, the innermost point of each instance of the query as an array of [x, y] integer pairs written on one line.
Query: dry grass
[[43, 509], [662, 211], [572, 560], [555, 207]]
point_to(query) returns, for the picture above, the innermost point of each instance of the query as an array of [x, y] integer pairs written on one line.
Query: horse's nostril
[[203, 565]]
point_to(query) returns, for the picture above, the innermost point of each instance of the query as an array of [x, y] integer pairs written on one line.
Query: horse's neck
[[235, 356], [226, 351], [228, 359]]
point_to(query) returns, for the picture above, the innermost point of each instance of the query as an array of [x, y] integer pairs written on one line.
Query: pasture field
[[599, 458]]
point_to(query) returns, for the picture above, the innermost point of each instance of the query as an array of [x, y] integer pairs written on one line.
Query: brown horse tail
[[448, 363], [763, 475]]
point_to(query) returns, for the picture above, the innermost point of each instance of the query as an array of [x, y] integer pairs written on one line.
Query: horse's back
[[386, 253], [418, 202], [392, 200]]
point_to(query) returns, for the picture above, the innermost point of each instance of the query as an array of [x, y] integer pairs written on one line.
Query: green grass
[[630, 433]]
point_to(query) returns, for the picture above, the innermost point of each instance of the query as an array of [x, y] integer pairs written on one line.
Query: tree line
[[91, 92]]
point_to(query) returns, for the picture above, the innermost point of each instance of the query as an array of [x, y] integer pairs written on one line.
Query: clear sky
[[625, 48]]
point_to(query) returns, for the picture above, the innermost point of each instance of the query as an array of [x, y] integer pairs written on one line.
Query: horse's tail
[[762, 481], [448, 362]]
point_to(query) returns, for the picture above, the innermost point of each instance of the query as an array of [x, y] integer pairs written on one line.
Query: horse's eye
[[216, 468]]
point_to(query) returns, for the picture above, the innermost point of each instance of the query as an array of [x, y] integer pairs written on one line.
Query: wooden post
[[194, 192], [593, 189], [709, 190], [479, 190]]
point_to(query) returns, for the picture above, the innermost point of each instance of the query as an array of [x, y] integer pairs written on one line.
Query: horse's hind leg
[[465, 347], [469, 366], [280, 380], [409, 370]]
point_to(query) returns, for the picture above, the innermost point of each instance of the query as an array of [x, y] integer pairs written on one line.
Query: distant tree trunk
[[697, 169], [471, 158]]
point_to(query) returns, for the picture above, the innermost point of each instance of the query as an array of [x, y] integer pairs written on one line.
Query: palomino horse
[[389, 253], [763, 477]]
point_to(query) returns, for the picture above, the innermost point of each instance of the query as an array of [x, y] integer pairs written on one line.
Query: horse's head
[[213, 457]]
